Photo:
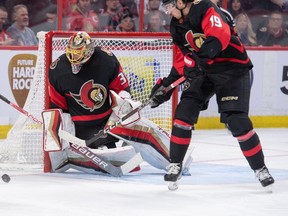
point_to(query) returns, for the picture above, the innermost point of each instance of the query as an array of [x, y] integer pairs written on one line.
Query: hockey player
[[214, 61], [79, 84]]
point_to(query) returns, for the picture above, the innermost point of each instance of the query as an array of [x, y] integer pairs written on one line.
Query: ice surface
[[220, 184]]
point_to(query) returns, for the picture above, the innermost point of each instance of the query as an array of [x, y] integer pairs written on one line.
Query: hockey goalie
[[136, 135]]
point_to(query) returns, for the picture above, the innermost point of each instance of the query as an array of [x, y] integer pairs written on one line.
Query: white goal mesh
[[145, 57]]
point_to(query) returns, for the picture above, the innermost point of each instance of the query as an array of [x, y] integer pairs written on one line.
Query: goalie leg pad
[[116, 156], [68, 158], [59, 161], [150, 140]]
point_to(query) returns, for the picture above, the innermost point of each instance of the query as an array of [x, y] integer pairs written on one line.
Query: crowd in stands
[[257, 22], [261, 22]]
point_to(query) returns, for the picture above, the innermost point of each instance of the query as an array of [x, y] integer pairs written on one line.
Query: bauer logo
[[21, 70]]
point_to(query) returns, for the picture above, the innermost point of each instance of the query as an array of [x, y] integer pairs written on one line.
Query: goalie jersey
[[86, 95]]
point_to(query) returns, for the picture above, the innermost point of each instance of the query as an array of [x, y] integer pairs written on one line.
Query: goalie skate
[[173, 175]]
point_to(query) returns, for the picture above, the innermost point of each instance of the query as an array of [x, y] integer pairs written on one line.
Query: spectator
[[154, 5], [279, 4], [126, 23], [36, 9], [50, 23], [112, 15], [98, 6], [19, 30], [155, 23], [261, 5], [4, 38], [234, 7], [83, 18], [132, 7], [245, 30], [273, 32]]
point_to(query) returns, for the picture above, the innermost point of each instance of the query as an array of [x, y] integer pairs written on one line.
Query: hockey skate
[[173, 175], [264, 176]]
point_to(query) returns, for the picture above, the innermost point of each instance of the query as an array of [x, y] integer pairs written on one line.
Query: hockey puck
[[6, 178]]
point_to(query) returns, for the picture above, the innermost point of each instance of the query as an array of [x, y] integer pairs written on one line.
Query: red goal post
[[145, 57]]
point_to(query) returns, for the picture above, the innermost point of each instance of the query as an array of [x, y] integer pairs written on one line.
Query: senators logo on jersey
[[195, 40], [91, 96]]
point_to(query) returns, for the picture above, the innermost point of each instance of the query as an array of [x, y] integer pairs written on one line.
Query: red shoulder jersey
[[206, 31], [86, 95]]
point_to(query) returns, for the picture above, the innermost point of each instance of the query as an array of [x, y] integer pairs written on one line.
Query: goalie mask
[[79, 50]]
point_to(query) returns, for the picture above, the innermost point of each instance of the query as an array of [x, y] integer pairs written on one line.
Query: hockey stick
[[107, 166], [73, 139], [20, 109], [86, 152]]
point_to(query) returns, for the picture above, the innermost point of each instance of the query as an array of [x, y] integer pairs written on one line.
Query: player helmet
[[80, 48], [168, 5]]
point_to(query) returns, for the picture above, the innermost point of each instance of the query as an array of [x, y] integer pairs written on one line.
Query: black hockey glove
[[192, 67], [157, 95]]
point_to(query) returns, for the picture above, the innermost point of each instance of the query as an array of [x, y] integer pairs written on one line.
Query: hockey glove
[[191, 67], [157, 94]]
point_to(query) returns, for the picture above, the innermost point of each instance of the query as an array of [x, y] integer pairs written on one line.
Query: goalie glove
[[122, 105], [157, 95]]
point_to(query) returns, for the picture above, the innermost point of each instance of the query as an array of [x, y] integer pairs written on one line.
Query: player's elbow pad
[[210, 49]]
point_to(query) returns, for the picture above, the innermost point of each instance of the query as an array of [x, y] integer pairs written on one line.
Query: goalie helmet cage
[[145, 57]]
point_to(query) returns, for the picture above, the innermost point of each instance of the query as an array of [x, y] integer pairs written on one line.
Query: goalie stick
[[86, 152], [73, 139]]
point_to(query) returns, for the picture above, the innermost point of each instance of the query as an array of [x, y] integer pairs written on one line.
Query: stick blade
[[135, 161]]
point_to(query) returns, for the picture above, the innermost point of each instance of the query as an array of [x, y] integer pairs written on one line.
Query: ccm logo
[[229, 98]]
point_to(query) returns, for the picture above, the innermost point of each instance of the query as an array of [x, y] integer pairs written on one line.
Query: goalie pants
[[232, 89]]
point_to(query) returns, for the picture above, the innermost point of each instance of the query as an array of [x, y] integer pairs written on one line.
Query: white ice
[[220, 184]]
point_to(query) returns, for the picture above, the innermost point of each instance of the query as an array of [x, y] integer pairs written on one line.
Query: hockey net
[[145, 57]]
